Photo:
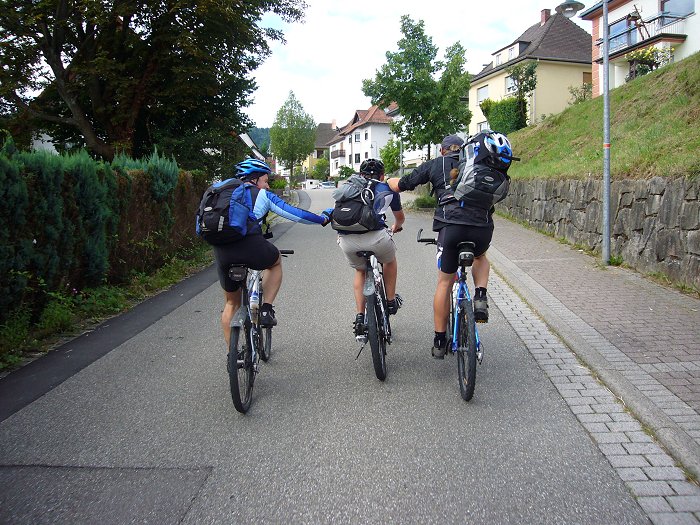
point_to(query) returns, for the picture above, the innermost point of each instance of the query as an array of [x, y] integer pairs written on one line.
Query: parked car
[[327, 184]]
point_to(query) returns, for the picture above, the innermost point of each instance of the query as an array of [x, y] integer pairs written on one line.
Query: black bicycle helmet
[[373, 168], [251, 169]]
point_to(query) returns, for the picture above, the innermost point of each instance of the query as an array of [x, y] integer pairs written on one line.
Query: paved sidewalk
[[642, 340]]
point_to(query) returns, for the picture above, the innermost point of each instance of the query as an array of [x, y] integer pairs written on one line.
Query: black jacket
[[448, 210]]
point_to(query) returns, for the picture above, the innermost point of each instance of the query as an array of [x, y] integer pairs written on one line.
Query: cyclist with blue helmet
[[254, 250], [456, 222]]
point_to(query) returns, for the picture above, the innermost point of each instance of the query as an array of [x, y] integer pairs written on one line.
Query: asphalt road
[[147, 433]]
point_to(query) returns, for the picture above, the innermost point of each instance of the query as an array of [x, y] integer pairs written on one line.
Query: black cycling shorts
[[452, 234], [254, 251]]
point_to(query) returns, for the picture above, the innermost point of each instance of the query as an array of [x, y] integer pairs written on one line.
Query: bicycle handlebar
[[426, 240]]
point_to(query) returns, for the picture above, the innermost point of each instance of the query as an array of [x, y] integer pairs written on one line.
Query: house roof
[[558, 39], [324, 133], [362, 117], [590, 13]]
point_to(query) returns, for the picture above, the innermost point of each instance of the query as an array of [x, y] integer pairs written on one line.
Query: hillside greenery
[[653, 128]]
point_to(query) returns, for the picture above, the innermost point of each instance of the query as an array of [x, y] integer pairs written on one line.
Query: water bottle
[[254, 304]]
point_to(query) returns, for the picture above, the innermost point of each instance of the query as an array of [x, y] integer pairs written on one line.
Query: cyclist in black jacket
[[454, 223]]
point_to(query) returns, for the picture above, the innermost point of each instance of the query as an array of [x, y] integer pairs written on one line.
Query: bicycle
[[243, 360], [378, 327], [463, 336]]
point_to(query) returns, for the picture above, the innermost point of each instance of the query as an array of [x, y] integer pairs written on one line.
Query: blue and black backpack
[[225, 213]]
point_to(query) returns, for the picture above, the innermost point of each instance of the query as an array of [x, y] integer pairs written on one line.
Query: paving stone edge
[[679, 444]]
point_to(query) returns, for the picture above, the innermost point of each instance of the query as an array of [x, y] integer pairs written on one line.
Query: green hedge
[[69, 222], [504, 116]]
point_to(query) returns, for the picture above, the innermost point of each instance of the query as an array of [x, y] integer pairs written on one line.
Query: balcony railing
[[337, 153], [661, 24]]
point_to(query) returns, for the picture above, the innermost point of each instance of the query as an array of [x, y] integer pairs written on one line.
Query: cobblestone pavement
[[623, 351], [644, 466]]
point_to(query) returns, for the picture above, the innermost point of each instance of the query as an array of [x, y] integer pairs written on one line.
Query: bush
[[425, 201], [504, 116], [278, 183]]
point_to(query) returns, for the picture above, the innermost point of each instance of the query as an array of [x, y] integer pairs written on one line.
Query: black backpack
[[225, 213], [356, 214]]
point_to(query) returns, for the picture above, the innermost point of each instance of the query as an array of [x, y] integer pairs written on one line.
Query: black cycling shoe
[[439, 349], [481, 309], [360, 328], [393, 306], [267, 316]]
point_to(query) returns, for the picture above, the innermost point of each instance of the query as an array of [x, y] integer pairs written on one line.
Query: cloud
[[341, 43]]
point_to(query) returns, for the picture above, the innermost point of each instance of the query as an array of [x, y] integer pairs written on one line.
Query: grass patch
[[653, 129], [67, 315]]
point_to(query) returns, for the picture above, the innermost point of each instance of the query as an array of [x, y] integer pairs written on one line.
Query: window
[[510, 85], [481, 126], [336, 164], [511, 53], [357, 158], [357, 137], [482, 94], [622, 34], [678, 7], [366, 155], [497, 62], [349, 159], [366, 135], [349, 139], [587, 78]]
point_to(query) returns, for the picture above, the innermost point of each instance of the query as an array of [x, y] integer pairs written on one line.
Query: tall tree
[[122, 75], [391, 156], [431, 93], [293, 134], [524, 78]]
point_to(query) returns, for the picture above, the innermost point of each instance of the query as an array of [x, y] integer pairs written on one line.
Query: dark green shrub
[[504, 116]]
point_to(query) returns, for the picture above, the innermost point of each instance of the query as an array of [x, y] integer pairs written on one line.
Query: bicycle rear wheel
[[376, 336], [466, 351], [265, 343], [240, 369]]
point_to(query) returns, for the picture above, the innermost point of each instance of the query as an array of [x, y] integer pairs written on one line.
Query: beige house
[[324, 132], [562, 51]]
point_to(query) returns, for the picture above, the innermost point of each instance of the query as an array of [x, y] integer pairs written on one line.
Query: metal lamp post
[[569, 9]]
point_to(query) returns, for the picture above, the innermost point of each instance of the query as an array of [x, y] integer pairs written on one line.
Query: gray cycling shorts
[[379, 241]]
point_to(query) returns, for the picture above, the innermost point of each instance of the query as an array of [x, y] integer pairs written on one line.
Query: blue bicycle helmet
[[251, 169]]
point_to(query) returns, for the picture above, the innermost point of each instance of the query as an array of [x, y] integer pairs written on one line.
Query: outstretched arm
[[268, 201], [399, 219]]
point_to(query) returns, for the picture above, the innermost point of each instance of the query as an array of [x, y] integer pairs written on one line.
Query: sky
[[340, 43]]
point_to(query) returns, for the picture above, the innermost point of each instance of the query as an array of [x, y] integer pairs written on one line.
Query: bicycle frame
[[244, 314], [460, 292]]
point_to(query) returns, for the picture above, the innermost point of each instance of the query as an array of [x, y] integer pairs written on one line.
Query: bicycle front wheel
[[466, 351], [376, 336], [265, 343], [240, 370]]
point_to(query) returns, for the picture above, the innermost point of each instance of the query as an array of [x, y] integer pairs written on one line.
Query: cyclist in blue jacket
[[254, 250]]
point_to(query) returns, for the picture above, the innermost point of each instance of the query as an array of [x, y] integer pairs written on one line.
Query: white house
[[359, 139], [638, 24]]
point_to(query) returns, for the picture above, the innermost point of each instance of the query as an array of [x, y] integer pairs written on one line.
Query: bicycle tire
[[266, 344], [466, 351], [377, 340], [240, 370]]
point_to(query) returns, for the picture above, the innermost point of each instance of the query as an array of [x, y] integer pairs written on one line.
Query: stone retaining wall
[[655, 223]]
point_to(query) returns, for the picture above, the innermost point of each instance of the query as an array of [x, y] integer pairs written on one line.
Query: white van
[[310, 184]]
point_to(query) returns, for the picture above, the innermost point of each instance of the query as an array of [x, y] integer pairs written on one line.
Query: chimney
[[333, 126], [544, 17]]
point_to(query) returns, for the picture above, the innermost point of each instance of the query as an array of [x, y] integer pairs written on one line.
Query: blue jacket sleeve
[[268, 201]]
